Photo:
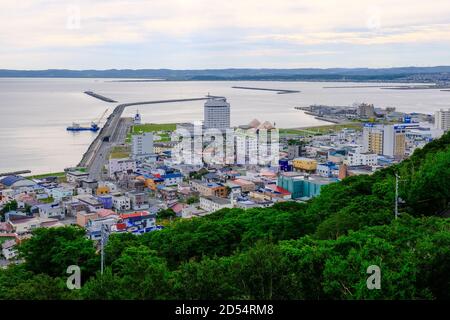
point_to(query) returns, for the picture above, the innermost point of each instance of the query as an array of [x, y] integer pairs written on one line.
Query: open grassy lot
[[153, 127], [44, 175], [119, 152]]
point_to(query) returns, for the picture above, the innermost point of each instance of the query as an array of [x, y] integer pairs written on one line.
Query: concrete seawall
[[99, 96], [108, 131]]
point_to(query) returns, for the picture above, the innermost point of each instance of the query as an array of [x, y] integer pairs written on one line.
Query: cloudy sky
[[194, 34]]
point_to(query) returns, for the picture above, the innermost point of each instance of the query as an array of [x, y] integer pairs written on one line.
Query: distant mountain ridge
[[441, 73]]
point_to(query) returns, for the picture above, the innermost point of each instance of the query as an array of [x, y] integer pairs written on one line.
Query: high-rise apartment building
[[442, 119], [365, 110], [217, 114], [388, 140], [141, 145]]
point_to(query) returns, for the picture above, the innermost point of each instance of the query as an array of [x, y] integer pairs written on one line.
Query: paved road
[[101, 157]]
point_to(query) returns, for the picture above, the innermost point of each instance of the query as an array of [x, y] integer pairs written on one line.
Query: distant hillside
[[405, 74]]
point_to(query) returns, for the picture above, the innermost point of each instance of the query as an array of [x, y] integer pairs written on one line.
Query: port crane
[[94, 124]]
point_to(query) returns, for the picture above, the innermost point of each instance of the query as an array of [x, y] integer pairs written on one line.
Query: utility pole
[[104, 237], [396, 195]]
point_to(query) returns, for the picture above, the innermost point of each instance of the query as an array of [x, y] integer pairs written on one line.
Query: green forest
[[315, 250]]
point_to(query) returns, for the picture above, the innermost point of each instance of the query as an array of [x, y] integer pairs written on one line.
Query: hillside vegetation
[[317, 250]]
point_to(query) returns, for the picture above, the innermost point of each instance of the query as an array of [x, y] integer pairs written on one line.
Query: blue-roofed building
[[171, 179], [327, 169], [15, 182], [106, 200]]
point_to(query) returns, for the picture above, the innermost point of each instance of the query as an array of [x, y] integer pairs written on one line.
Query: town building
[[76, 176], [305, 164], [141, 145], [138, 200], [209, 188], [303, 186], [387, 140], [121, 165], [213, 203], [356, 158], [442, 119], [365, 110], [121, 203], [217, 114]]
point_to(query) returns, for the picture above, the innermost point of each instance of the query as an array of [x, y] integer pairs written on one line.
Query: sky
[[200, 34]]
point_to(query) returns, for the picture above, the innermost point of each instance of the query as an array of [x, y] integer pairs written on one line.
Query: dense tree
[[317, 250], [52, 250], [166, 213]]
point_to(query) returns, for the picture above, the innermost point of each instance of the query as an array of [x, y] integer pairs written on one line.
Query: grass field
[[152, 127], [119, 152], [45, 175]]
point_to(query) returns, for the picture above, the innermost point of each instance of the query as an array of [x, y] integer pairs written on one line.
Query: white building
[[121, 165], [9, 249], [53, 210], [137, 118], [442, 119], [212, 203], [217, 113], [142, 145], [121, 203], [355, 158]]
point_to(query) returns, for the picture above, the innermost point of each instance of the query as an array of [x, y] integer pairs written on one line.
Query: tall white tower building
[[141, 145], [217, 113], [442, 119]]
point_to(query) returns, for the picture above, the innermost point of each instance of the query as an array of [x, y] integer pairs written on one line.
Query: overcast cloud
[[103, 34]]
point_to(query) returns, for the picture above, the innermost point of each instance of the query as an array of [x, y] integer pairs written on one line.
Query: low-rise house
[[361, 158], [106, 200], [171, 179], [94, 226], [27, 225], [121, 165], [138, 200], [89, 184], [209, 189], [16, 182], [327, 169], [84, 217], [91, 202], [136, 222], [61, 193], [192, 211], [51, 210], [213, 203], [247, 204], [76, 176], [169, 194], [9, 249], [246, 186], [121, 203]]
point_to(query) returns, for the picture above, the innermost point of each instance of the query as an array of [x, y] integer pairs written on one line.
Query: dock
[[278, 91], [99, 96], [96, 155]]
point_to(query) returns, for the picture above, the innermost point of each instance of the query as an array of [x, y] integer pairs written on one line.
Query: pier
[[100, 97], [96, 155], [278, 91]]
